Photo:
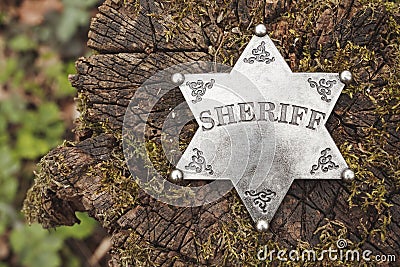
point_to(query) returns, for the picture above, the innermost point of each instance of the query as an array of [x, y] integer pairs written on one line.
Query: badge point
[[262, 225], [178, 78], [176, 176], [346, 77], [260, 30], [348, 175]]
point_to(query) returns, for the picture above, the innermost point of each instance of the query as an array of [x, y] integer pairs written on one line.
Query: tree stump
[[135, 39]]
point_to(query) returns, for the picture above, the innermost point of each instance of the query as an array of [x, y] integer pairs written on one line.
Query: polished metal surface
[[260, 30], [178, 78], [261, 126], [348, 175], [262, 226], [176, 176], [346, 77]]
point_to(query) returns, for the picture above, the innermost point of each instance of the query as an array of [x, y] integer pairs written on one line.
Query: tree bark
[[134, 40]]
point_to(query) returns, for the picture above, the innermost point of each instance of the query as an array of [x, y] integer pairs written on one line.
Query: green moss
[[35, 201], [83, 124], [119, 185], [240, 241], [180, 10], [136, 252]]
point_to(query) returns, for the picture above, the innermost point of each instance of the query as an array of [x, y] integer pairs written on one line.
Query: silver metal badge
[[261, 126]]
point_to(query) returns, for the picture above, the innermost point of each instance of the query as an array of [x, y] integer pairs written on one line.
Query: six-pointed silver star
[[261, 126]]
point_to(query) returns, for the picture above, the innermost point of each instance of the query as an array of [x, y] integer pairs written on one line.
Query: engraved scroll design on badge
[[323, 88], [260, 54], [198, 163], [261, 199], [325, 162], [199, 89]]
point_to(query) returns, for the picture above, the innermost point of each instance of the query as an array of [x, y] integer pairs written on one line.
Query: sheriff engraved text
[[261, 111]]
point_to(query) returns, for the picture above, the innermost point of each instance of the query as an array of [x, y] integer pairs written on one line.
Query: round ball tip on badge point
[[346, 77], [178, 78], [262, 225], [348, 175], [176, 176], [260, 30]]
